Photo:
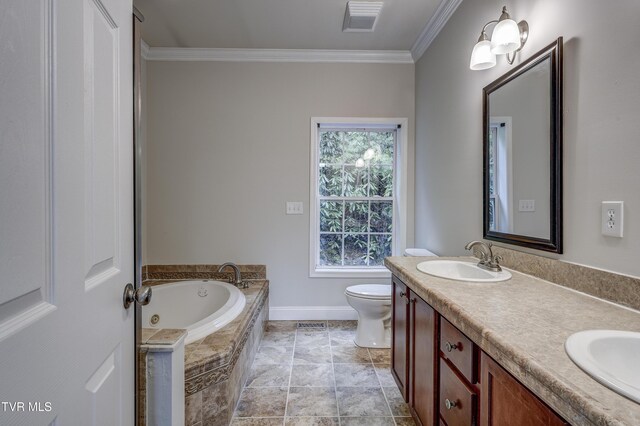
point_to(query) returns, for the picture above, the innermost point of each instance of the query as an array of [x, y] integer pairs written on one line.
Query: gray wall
[[601, 125], [228, 145]]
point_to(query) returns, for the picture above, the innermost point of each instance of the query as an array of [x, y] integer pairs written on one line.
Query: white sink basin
[[609, 356], [461, 271]]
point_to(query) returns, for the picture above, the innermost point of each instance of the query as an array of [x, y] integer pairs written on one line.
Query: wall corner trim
[[433, 27], [276, 55], [144, 49]]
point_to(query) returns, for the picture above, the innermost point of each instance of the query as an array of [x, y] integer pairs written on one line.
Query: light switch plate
[[294, 207], [527, 206], [612, 218]]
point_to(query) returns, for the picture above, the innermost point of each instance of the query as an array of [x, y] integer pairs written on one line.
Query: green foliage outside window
[[355, 185]]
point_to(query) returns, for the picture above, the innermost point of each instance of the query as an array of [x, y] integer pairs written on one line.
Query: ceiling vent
[[361, 16]]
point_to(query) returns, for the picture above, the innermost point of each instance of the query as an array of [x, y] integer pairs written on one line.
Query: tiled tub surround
[[523, 324], [217, 365], [317, 376]]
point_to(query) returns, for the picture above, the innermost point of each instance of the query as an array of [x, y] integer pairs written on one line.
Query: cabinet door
[[506, 402], [423, 335], [400, 337]]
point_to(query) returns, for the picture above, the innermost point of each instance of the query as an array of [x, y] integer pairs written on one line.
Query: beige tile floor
[[319, 377]]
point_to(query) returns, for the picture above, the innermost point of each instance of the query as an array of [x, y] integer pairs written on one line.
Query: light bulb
[[506, 37], [481, 56]]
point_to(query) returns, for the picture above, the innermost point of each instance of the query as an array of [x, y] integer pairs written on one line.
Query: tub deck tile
[[166, 336]]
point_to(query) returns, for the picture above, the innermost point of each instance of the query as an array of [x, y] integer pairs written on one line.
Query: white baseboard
[[312, 313]]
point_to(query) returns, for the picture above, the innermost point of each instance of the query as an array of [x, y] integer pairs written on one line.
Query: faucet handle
[[489, 245], [494, 263], [480, 254]]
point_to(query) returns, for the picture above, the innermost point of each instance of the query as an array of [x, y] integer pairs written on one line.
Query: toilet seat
[[370, 291]]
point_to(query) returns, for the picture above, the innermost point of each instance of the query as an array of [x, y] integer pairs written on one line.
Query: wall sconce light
[[508, 37]]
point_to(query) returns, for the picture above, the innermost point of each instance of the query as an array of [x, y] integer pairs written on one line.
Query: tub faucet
[[237, 280], [487, 259]]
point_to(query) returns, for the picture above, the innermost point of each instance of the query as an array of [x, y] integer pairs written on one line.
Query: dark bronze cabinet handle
[[451, 346], [449, 404]]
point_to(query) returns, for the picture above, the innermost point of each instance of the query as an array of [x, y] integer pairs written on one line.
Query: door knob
[[141, 295]]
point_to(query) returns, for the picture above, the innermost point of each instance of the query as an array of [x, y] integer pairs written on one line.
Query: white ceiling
[[278, 24]]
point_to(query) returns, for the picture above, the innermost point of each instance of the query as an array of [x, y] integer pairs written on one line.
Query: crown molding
[[433, 27], [276, 55]]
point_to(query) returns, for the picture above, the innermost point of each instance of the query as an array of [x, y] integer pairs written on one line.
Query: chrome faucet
[[237, 280], [487, 259]]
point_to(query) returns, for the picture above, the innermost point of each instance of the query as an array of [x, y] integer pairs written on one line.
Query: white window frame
[[400, 182], [503, 219], [493, 128]]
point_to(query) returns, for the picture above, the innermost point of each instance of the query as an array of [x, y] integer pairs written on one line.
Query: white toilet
[[373, 304], [418, 252]]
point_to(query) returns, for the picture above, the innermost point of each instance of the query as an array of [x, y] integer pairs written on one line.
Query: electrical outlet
[[527, 206], [612, 218], [294, 207]]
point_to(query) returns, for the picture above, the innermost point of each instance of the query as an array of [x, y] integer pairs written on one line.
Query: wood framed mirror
[[522, 153]]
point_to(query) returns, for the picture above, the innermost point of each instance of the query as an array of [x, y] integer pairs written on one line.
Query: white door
[[66, 212]]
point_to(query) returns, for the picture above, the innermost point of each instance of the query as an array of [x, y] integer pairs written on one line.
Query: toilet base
[[372, 302], [374, 334]]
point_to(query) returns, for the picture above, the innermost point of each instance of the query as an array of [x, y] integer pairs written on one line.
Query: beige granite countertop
[[523, 324]]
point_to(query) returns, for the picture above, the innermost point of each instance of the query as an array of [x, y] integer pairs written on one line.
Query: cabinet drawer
[[457, 401], [458, 349]]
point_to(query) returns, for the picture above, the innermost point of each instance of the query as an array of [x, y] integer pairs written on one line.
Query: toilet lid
[[418, 252], [370, 291]]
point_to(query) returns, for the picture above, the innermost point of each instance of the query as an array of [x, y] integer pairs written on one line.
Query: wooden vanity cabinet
[[414, 352], [423, 359], [505, 401], [400, 336], [447, 380]]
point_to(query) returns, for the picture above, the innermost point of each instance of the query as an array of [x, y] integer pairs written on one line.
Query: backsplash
[[151, 273], [621, 289]]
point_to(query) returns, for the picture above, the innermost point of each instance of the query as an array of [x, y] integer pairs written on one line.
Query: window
[[356, 188], [500, 175], [493, 183]]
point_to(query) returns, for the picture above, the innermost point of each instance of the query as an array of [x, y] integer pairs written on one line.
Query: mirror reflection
[[519, 150]]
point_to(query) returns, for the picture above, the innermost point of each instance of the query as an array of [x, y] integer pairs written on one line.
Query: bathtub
[[201, 307]]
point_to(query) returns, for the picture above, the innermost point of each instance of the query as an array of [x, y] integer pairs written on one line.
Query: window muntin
[[355, 197]]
